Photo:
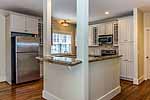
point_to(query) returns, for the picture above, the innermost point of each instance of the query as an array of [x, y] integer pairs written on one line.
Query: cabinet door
[[130, 51], [90, 36], [109, 28], [122, 31], [115, 33], [123, 50], [130, 70], [17, 23], [130, 29], [32, 25], [123, 69], [125, 26], [101, 29]]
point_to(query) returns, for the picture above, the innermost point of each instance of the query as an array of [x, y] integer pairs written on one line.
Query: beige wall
[[140, 37], [71, 29]]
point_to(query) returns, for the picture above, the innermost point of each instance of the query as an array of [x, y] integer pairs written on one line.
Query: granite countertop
[[101, 58], [71, 60], [67, 61]]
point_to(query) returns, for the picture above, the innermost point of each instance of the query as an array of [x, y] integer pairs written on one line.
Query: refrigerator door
[[26, 44], [27, 67]]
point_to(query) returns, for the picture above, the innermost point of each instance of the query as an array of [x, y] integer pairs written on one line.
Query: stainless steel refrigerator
[[25, 67]]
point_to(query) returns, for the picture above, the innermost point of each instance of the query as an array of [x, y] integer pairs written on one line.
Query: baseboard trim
[[49, 96], [138, 81], [141, 79], [111, 94], [125, 78]]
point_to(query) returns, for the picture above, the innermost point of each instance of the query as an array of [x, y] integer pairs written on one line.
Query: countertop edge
[[104, 58], [75, 62]]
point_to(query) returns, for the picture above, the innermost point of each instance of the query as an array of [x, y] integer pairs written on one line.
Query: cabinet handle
[[147, 57]]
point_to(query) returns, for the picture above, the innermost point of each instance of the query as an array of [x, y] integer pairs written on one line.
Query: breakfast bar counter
[[65, 74], [71, 60]]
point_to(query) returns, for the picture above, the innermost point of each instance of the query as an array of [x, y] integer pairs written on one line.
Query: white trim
[[49, 96], [135, 18], [111, 94], [135, 81], [139, 80]]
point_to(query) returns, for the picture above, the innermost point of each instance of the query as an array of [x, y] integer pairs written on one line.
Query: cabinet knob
[[147, 57]]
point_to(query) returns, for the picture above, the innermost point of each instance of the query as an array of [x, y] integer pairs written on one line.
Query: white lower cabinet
[[126, 70], [127, 63], [130, 70], [123, 69]]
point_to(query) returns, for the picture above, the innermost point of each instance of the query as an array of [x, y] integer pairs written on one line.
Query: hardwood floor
[[28, 91], [33, 91], [133, 92]]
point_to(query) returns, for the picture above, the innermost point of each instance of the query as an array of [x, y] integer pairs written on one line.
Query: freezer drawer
[[27, 68]]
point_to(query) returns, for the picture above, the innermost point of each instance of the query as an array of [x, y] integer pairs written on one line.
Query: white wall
[[2, 49]]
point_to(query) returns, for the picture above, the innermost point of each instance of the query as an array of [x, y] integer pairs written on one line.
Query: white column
[[82, 42], [46, 38], [46, 26]]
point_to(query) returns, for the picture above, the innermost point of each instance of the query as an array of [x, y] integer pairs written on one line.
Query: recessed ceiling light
[[106, 12]]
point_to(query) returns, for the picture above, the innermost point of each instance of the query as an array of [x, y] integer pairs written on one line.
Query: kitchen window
[[61, 43]]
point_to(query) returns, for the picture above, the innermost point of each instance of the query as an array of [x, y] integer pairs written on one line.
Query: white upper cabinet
[[109, 28], [105, 28], [125, 28], [90, 40], [93, 34], [32, 25], [23, 24], [17, 23], [101, 29]]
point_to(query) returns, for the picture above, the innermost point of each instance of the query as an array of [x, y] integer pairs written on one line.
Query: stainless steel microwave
[[105, 39]]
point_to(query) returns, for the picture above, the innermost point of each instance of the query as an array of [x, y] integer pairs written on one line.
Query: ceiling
[[32, 7], [66, 9]]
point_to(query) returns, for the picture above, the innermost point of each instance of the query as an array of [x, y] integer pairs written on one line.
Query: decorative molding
[[49, 96], [141, 79], [111, 94], [135, 81], [138, 81]]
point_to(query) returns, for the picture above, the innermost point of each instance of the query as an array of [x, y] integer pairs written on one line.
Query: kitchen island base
[[62, 83]]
